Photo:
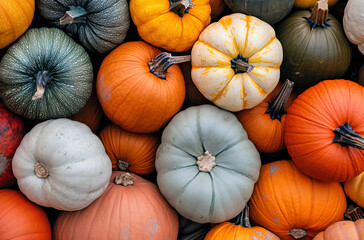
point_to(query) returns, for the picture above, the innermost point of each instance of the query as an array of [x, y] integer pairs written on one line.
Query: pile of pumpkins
[[182, 119]]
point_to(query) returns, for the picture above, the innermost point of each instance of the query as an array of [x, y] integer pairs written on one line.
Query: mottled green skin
[[104, 27], [312, 55], [68, 63]]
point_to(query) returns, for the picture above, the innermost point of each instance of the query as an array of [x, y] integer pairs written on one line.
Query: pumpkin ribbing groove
[[8, 18], [199, 131], [230, 146], [233, 170], [209, 45], [212, 204], [96, 34]]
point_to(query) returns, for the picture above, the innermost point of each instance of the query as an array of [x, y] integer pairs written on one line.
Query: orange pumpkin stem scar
[[160, 64], [206, 162]]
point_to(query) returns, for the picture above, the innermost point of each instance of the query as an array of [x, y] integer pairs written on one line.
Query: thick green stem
[[41, 80], [346, 136], [180, 7], [160, 64], [241, 65], [276, 107], [76, 14]]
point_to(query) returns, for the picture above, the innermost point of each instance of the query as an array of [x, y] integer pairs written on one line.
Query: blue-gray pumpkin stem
[[76, 14]]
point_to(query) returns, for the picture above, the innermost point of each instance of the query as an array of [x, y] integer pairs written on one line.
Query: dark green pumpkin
[[49, 58], [101, 25], [270, 11], [312, 51]]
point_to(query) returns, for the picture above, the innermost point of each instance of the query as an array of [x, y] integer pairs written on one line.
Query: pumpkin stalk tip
[[76, 14], [41, 80], [160, 64], [124, 179], [41, 170], [241, 65], [297, 233], [354, 213], [319, 14], [206, 162], [180, 7], [276, 107], [346, 136]]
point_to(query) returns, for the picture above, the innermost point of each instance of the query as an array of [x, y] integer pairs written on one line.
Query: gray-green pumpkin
[[206, 165], [270, 11], [100, 25], [45, 74]]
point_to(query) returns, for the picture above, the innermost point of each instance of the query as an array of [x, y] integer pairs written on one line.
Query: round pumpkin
[[149, 91], [61, 164], [170, 24], [353, 22], [354, 189], [315, 47], [130, 208], [206, 165], [324, 131], [99, 25], [270, 11], [264, 123], [45, 74], [11, 133], [134, 152], [22, 219], [293, 205], [310, 3], [343, 230], [15, 18], [235, 62]]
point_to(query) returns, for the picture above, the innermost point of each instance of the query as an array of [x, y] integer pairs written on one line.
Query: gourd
[[15, 20], [45, 74], [149, 91], [354, 189], [206, 165], [130, 208], [61, 164], [324, 131], [100, 25], [290, 204], [235, 62], [343, 230], [353, 22], [173, 25]]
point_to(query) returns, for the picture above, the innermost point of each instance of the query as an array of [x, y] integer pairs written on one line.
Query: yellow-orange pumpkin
[[310, 3], [354, 189]]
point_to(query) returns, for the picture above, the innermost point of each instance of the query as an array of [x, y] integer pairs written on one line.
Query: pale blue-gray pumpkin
[[100, 25], [45, 74], [206, 165], [270, 11]]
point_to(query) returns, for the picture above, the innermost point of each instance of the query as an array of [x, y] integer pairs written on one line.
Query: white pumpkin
[[236, 61], [353, 22], [62, 164]]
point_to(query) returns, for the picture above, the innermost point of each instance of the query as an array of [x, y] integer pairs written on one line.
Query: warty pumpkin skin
[[15, 18], [123, 212], [289, 203], [173, 25], [22, 219], [353, 23], [354, 189], [100, 25], [343, 230], [318, 124]]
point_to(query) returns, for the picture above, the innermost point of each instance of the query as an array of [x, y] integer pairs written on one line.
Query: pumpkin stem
[[76, 14], [354, 213], [241, 65], [124, 179], [297, 233], [41, 170], [275, 108], [160, 64], [122, 165], [206, 162], [346, 136], [243, 218], [41, 80], [319, 15], [180, 7]]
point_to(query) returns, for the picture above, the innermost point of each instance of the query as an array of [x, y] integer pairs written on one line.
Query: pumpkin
[[314, 45], [15, 18], [11, 133], [264, 123], [130, 208], [353, 22], [217, 8], [310, 3], [22, 219], [45, 74], [206, 165], [134, 152], [354, 189], [235, 62], [61, 164], [293, 205], [270, 11], [324, 129], [343, 230], [149, 91], [99, 25], [170, 24]]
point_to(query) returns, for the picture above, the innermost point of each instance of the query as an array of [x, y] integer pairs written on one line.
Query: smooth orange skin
[[131, 96], [137, 149], [309, 130], [21, 219], [310, 3], [15, 18], [343, 230], [354, 189], [284, 198]]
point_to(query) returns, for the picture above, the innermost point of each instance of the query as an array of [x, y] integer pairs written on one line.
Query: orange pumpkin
[[354, 189], [343, 230], [137, 97], [134, 152], [130, 208], [22, 219], [217, 8], [324, 129], [15, 18], [310, 3], [293, 205], [264, 123]]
